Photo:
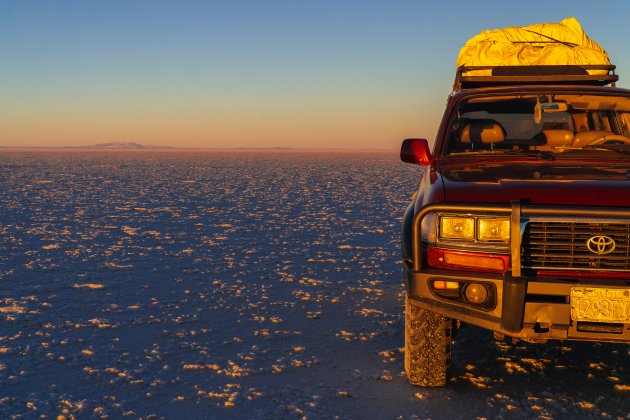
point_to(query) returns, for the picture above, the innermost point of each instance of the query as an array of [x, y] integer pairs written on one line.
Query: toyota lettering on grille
[[601, 244]]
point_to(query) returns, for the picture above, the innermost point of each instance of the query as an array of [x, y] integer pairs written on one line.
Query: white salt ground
[[181, 285]]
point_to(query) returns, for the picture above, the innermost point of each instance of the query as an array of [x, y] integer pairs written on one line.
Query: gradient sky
[[259, 73]]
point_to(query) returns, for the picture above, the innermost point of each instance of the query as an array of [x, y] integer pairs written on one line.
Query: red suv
[[521, 221]]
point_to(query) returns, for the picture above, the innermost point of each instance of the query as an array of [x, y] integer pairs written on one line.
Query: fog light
[[476, 293]]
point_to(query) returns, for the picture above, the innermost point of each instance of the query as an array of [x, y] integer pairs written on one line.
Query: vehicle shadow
[[553, 378]]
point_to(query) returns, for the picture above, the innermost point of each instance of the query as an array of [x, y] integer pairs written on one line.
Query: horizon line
[[174, 148]]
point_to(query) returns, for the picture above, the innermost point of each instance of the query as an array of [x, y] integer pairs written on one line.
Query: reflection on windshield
[[543, 126]]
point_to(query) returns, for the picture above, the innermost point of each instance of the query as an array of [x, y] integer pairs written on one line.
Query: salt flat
[[251, 285]]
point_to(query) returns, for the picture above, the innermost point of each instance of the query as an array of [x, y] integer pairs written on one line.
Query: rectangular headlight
[[457, 227], [493, 229]]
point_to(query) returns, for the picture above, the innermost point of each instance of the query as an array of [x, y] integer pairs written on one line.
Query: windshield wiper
[[619, 148], [533, 153], [539, 154]]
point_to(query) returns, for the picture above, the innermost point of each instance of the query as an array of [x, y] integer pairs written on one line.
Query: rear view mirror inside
[[554, 107]]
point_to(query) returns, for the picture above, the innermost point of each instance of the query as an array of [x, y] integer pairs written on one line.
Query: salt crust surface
[[196, 285]]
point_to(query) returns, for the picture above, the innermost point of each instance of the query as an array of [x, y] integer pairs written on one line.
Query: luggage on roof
[[537, 54], [563, 43]]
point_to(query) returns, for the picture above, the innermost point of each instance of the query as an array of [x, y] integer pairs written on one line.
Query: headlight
[[474, 228], [495, 229], [455, 227]]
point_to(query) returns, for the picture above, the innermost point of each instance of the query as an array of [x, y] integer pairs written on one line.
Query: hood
[[579, 184]]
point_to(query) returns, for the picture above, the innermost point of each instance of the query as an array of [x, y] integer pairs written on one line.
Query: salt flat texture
[[208, 285]]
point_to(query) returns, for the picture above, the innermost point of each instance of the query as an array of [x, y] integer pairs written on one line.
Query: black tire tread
[[428, 338]]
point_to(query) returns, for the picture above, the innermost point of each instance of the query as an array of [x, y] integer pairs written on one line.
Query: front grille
[[563, 245]]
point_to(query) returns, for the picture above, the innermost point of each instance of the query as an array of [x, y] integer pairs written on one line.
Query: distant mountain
[[121, 145], [265, 148]]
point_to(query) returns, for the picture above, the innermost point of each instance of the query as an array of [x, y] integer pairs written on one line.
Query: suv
[[521, 221]]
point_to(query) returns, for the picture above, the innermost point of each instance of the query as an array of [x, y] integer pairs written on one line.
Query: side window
[[625, 123], [606, 122], [600, 121], [580, 121]]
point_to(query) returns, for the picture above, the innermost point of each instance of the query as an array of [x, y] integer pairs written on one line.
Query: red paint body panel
[[561, 183]]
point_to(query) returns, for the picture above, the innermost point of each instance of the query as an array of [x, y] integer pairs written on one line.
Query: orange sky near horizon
[[250, 74], [367, 125]]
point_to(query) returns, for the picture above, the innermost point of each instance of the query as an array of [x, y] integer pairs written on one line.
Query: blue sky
[[251, 73]]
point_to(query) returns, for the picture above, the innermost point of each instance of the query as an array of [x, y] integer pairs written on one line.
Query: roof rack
[[545, 74]]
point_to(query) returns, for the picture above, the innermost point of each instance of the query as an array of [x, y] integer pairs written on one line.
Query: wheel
[[427, 345]]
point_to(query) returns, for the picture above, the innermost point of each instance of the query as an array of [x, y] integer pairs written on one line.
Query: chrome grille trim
[[561, 244]]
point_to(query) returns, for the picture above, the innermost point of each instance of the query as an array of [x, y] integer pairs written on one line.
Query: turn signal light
[[474, 260], [445, 285]]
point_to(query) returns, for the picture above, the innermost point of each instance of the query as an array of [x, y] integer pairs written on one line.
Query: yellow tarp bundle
[[541, 44]]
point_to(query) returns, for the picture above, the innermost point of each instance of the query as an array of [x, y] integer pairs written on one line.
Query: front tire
[[427, 345]]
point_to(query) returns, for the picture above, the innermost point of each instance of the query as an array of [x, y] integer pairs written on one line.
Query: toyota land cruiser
[[521, 221]]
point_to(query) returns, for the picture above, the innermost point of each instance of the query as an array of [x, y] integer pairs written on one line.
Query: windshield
[[547, 126]]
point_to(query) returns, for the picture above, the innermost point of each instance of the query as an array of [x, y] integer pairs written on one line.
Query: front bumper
[[529, 309], [527, 306]]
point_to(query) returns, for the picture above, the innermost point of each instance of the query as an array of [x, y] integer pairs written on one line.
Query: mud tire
[[428, 337]]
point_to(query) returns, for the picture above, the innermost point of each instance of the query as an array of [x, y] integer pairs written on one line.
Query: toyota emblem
[[601, 244]]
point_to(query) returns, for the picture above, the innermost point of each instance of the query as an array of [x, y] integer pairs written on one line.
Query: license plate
[[598, 304]]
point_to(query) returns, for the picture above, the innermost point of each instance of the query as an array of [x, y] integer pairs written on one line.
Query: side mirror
[[415, 151]]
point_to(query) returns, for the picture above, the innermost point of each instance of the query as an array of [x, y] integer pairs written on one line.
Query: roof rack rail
[[538, 74]]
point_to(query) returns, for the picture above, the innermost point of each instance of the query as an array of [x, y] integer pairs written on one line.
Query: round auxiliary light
[[476, 293]]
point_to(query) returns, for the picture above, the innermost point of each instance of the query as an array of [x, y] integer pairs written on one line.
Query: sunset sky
[[241, 73]]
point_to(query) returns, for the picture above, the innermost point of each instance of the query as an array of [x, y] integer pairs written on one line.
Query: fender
[[407, 233]]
